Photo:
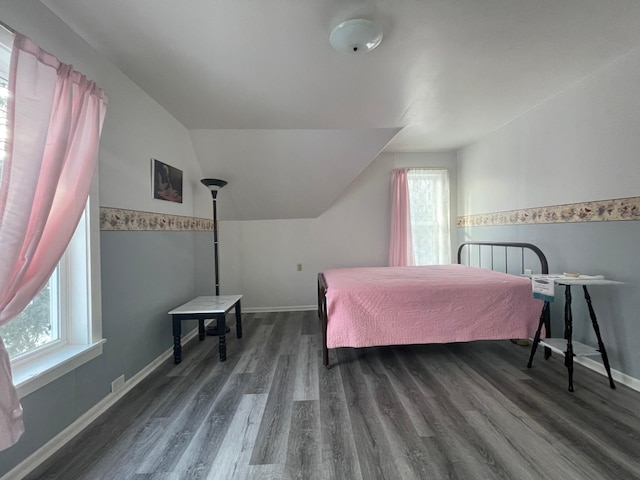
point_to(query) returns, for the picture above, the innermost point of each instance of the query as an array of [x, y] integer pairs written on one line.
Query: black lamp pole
[[213, 184]]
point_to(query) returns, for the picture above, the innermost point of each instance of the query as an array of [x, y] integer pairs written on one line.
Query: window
[[60, 328], [429, 207], [38, 324]]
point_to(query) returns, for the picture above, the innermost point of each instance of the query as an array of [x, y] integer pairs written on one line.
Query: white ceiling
[[267, 98]]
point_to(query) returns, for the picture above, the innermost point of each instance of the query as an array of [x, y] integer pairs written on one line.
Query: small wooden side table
[[201, 309], [575, 348]]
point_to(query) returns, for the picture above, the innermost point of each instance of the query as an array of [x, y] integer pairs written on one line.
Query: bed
[[485, 296]]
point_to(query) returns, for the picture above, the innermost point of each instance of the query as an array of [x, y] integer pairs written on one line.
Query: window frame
[[446, 210], [82, 315], [79, 302]]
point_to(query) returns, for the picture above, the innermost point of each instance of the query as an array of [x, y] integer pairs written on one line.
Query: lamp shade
[[213, 184], [356, 36]]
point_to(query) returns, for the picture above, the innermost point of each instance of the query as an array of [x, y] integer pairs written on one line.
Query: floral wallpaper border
[[619, 209], [133, 220]]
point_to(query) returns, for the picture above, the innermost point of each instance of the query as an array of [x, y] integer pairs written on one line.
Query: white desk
[[574, 348], [201, 309]]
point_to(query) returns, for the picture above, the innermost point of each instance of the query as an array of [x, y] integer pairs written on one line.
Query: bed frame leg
[[325, 350], [322, 315]]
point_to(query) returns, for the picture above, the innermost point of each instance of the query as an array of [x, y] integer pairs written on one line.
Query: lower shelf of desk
[[559, 345]]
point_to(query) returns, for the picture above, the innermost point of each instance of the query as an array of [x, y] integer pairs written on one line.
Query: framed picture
[[167, 181]]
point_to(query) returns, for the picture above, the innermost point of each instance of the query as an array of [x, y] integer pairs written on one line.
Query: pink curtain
[[400, 249], [55, 117]]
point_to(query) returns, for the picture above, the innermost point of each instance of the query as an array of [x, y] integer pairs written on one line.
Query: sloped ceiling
[[282, 116], [285, 173]]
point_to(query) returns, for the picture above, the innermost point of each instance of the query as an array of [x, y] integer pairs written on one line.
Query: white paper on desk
[[543, 287]]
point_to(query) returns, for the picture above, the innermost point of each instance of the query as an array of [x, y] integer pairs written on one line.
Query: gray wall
[[579, 146], [144, 275], [606, 248]]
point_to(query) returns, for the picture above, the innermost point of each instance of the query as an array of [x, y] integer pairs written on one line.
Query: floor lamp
[[213, 184]]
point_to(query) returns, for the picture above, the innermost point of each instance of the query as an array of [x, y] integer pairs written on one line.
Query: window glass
[[429, 205], [36, 326]]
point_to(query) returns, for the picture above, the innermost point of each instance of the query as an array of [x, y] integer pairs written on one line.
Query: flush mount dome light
[[356, 36]]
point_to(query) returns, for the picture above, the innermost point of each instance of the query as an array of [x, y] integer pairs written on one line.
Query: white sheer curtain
[[429, 207], [55, 117]]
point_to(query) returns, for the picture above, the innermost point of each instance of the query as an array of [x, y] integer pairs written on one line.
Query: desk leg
[[201, 329], [596, 328], [177, 348], [568, 332], [536, 339], [222, 341], [547, 329], [238, 320]]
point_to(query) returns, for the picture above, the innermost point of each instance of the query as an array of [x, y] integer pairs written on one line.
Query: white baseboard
[[619, 377], [597, 367], [295, 308], [37, 458]]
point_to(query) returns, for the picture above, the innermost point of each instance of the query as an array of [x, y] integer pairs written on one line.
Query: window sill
[[37, 373]]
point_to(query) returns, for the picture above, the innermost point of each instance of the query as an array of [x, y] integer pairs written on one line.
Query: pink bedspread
[[430, 304]]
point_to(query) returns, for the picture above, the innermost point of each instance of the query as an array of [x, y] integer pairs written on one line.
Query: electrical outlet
[[117, 384], [299, 267]]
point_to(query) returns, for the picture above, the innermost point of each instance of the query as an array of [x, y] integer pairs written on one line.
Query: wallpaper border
[[619, 209], [119, 219]]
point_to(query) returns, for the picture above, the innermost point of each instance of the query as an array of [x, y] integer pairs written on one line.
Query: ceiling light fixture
[[356, 36]]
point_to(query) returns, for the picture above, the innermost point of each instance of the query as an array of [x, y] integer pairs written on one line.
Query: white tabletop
[[585, 281], [213, 304], [560, 279]]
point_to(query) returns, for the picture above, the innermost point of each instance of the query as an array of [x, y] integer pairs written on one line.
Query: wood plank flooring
[[272, 411]]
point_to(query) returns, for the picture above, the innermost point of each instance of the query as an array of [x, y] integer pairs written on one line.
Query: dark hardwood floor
[[271, 411]]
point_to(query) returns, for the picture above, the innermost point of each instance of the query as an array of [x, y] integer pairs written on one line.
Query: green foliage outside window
[[31, 328]]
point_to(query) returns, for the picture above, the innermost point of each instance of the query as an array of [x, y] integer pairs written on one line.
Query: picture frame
[[166, 182]]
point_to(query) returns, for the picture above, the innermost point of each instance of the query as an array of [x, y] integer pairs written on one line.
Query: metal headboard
[[476, 255]]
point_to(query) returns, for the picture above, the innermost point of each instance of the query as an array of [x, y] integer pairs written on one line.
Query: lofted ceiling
[[290, 122]]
